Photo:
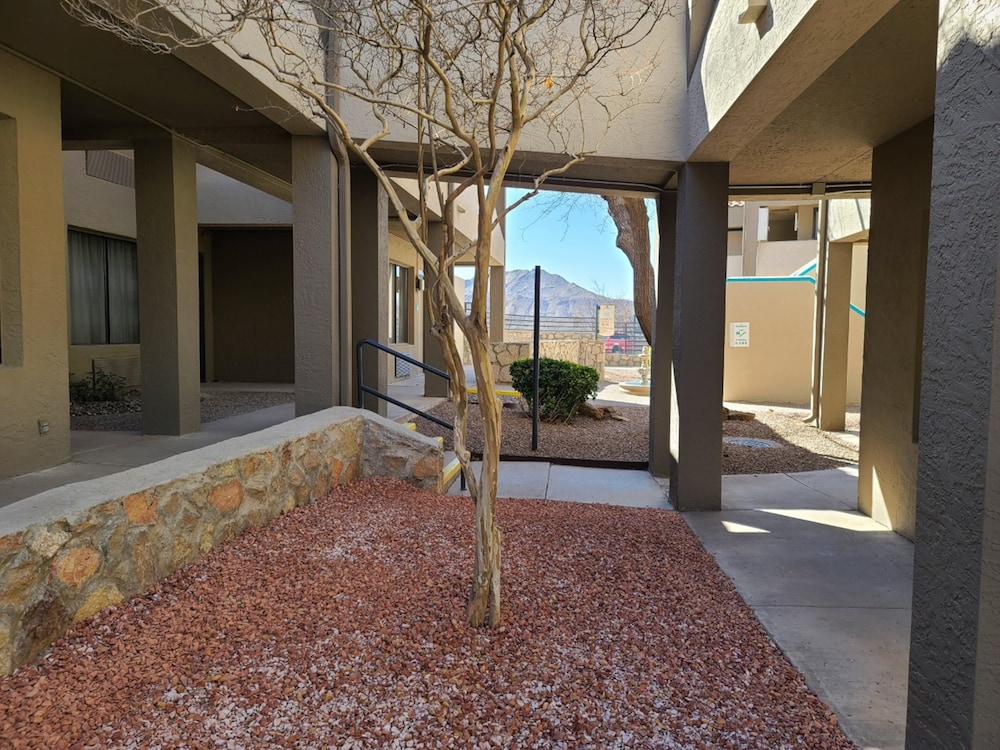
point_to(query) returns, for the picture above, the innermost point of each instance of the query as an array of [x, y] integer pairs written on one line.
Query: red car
[[617, 343]]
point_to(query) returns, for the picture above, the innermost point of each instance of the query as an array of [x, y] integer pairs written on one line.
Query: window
[[400, 284], [103, 290]]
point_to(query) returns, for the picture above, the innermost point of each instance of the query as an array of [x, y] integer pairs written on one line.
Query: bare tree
[[463, 80]]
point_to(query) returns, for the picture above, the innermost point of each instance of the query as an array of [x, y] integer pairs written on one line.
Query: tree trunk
[[484, 598], [632, 222]]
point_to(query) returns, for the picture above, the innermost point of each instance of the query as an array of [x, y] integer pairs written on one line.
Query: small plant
[[102, 386], [563, 387]]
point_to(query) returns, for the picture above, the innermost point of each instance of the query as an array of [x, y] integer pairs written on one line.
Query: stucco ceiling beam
[[241, 171]]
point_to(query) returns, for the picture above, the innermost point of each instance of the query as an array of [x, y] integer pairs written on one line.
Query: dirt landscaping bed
[[799, 446], [342, 625]]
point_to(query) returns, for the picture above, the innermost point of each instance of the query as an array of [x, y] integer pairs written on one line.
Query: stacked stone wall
[[70, 552], [589, 352]]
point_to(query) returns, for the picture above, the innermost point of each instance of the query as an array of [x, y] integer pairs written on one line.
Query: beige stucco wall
[[93, 204], [784, 258], [80, 357], [33, 375], [775, 368], [223, 201], [652, 124]]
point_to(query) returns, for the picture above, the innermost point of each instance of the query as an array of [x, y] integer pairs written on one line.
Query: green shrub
[[563, 387], [103, 386]]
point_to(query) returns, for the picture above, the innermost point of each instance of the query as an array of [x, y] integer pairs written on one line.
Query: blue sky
[[572, 238]]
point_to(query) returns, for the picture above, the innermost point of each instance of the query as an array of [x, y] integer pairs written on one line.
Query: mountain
[[560, 298]]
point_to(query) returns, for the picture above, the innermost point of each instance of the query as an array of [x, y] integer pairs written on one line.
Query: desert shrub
[[103, 386], [563, 386]]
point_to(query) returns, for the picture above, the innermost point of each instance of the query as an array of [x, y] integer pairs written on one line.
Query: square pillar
[[954, 676], [699, 336], [498, 280], [433, 352], [897, 258], [370, 279], [834, 337], [751, 236], [315, 275], [661, 366], [166, 214]]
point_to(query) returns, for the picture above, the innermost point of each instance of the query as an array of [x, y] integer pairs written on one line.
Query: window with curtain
[[400, 284], [103, 290]]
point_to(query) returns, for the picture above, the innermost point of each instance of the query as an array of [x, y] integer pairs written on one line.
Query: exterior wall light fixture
[[755, 9]]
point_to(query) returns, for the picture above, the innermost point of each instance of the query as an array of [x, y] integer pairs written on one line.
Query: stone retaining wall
[[589, 352], [68, 553], [544, 335], [623, 360]]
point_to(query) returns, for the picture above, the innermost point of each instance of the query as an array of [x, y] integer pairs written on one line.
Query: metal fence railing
[[628, 332]]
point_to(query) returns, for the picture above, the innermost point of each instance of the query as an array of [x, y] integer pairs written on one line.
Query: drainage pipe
[[820, 315]]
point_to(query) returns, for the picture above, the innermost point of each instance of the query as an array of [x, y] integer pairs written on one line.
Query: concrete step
[[452, 471]]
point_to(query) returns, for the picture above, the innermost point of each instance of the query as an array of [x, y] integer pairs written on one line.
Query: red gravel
[[340, 625]]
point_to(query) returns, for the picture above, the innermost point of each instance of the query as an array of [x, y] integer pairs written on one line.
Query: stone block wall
[[502, 353], [68, 553], [509, 335], [589, 352], [623, 360]]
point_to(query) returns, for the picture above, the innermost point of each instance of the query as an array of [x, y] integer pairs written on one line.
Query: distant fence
[[585, 327]]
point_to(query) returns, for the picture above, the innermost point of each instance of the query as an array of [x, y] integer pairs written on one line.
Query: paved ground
[[831, 586]]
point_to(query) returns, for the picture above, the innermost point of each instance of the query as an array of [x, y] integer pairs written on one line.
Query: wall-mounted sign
[[739, 335], [605, 320]]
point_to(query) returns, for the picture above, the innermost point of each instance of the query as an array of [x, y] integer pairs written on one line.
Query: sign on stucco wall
[[739, 335], [605, 320]]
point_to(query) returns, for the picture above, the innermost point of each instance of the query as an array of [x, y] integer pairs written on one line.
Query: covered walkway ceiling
[[114, 93], [880, 87]]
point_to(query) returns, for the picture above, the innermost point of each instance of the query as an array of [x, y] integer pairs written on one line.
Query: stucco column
[[699, 337], [954, 677], [166, 210], [751, 237], [836, 327], [498, 281], [370, 278], [663, 332], [887, 463], [315, 275], [433, 354]]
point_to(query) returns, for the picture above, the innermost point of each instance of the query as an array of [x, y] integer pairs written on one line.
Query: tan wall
[[80, 364], [253, 329], [784, 258], [93, 204], [775, 368], [33, 374]]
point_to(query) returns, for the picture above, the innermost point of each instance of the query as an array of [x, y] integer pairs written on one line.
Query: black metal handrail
[[363, 389]]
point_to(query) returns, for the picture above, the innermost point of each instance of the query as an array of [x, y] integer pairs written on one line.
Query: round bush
[[563, 386]]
